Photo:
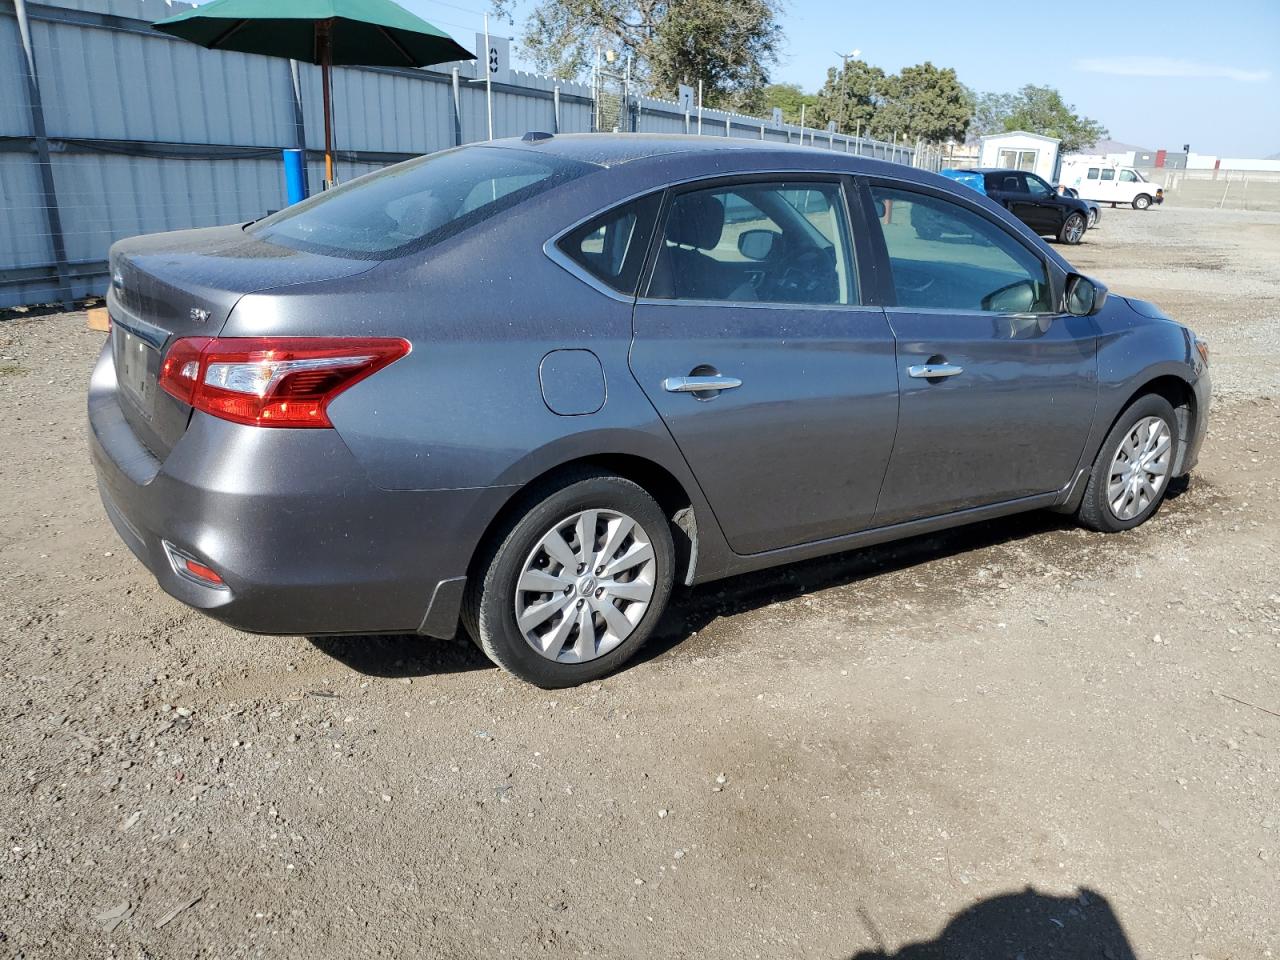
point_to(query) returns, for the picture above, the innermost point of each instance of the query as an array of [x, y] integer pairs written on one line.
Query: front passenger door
[[997, 384]]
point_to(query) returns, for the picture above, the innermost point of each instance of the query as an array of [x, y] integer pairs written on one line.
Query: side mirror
[[1085, 297], [1017, 297], [756, 244]]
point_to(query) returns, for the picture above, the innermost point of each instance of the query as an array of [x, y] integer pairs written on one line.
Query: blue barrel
[[295, 176]]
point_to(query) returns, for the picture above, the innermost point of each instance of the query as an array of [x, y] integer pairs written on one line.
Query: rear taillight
[[272, 381]]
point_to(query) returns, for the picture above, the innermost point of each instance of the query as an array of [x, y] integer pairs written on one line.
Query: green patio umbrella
[[370, 33]]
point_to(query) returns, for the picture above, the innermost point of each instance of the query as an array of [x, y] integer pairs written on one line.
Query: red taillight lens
[[272, 381], [180, 371]]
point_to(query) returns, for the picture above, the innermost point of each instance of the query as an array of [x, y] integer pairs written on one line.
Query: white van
[[1096, 178]]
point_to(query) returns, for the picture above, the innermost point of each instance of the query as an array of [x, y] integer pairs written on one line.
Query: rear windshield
[[416, 203]]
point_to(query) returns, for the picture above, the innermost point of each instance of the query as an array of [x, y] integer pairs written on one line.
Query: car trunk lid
[[185, 284]]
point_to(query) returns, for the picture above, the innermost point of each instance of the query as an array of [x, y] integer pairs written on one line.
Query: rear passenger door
[[753, 343], [997, 384]]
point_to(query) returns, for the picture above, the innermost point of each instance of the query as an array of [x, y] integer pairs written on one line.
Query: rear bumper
[[304, 542]]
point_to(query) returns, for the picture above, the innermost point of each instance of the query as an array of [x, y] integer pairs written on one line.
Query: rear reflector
[[272, 381], [188, 566], [202, 572]]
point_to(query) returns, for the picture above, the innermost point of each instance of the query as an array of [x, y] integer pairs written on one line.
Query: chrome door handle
[[699, 384], [927, 371]]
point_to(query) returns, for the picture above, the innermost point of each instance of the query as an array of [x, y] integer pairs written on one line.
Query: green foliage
[[1037, 110], [853, 96], [924, 102], [791, 98], [727, 44], [990, 111]]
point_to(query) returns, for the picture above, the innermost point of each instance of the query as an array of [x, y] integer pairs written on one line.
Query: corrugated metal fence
[[109, 129]]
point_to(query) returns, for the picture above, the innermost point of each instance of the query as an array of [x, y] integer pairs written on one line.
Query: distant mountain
[[1115, 146]]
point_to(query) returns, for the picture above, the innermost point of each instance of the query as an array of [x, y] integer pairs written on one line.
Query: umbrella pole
[[326, 81]]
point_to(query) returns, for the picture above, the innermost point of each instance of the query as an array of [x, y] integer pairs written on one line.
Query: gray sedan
[[530, 385]]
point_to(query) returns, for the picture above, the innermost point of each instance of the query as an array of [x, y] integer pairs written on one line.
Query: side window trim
[[840, 180], [884, 276]]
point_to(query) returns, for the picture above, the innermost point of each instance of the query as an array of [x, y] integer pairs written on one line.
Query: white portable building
[[1019, 150]]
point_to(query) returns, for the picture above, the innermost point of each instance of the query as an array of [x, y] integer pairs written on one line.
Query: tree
[[990, 110], [926, 103], [727, 44], [789, 97], [853, 96], [1037, 110]]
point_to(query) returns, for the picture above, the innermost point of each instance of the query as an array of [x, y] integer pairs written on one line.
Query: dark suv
[[1031, 200]]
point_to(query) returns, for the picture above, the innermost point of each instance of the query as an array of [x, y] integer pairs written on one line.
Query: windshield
[[416, 203]]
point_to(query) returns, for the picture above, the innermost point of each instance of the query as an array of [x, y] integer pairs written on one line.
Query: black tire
[[489, 608], [1094, 216], [1141, 202], [1073, 229], [1095, 512]]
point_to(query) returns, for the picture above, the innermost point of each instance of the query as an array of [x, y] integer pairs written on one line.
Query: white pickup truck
[[1095, 178]]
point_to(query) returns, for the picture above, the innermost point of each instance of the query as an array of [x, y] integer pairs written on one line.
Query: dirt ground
[[1015, 740]]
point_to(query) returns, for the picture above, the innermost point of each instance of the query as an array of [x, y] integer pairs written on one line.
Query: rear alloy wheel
[[1132, 471], [577, 585], [1094, 214], [1141, 202], [1072, 229]]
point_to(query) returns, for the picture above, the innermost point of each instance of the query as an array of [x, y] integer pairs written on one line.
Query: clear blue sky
[[1157, 74]]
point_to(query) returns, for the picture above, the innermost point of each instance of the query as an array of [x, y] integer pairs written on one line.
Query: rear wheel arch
[[650, 476]]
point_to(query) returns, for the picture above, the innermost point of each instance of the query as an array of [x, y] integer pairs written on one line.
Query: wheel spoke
[[614, 618], [539, 581], [632, 590], [585, 647], [617, 532], [636, 554], [1159, 449], [560, 551], [537, 614], [553, 640], [587, 538]]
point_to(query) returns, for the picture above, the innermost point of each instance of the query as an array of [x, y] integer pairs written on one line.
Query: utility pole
[[844, 81]]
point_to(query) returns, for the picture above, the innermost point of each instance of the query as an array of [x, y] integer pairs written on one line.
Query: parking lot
[[1001, 741]]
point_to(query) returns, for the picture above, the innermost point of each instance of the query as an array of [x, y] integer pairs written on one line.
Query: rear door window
[[417, 203], [772, 242], [1108, 174]]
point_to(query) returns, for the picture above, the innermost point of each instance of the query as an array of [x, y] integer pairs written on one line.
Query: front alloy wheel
[[1140, 468], [1131, 474]]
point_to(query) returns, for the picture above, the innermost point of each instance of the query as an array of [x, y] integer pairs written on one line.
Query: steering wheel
[[800, 276]]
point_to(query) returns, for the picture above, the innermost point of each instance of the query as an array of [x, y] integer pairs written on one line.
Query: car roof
[[613, 149], [637, 149]]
